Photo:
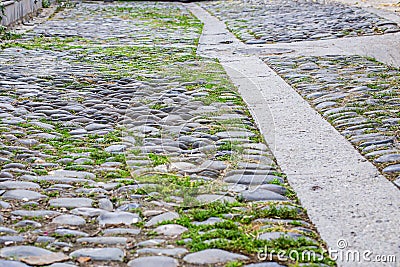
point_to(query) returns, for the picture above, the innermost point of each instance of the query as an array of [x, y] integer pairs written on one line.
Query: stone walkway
[[323, 168], [123, 146]]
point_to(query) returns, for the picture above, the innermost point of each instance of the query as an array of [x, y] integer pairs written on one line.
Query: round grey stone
[[115, 148], [265, 264], [109, 240], [392, 168], [119, 217], [68, 219], [18, 185], [6, 263], [163, 251], [261, 194], [170, 229], [208, 198], [121, 231]]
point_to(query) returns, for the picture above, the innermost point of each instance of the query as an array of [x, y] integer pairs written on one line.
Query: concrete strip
[[346, 197]]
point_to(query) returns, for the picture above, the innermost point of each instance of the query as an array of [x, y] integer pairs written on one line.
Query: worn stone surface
[[119, 144], [99, 254], [212, 256]]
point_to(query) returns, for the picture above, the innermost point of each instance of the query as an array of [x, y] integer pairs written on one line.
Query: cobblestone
[[260, 22], [122, 144]]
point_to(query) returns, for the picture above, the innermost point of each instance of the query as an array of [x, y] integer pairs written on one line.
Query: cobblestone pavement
[[260, 22], [358, 96], [121, 147]]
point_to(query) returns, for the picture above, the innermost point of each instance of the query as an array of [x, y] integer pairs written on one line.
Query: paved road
[[123, 146]]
